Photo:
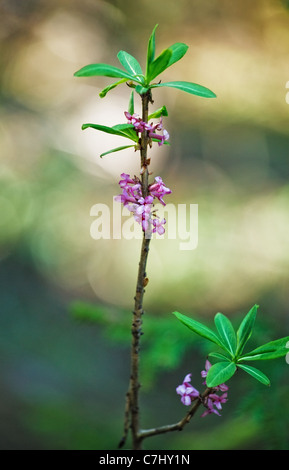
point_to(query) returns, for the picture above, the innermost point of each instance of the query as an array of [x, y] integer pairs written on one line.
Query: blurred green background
[[66, 299]]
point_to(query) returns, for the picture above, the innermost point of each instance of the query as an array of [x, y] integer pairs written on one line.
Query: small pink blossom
[[141, 207], [217, 400], [151, 128], [159, 190], [126, 179], [143, 211], [187, 392], [125, 198], [210, 409], [136, 121], [158, 226], [213, 402]]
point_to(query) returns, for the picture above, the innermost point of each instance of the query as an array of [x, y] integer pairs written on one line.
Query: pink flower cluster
[[189, 394], [140, 126], [140, 206]]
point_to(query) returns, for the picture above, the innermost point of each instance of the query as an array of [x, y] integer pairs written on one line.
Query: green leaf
[[130, 64], [128, 130], [131, 103], [141, 90], [104, 92], [123, 127], [271, 350], [199, 328], [104, 70], [158, 113], [109, 130], [192, 88], [164, 143], [159, 64], [226, 332], [219, 356], [256, 373], [151, 49], [219, 373], [117, 149], [245, 329], [178, 51]]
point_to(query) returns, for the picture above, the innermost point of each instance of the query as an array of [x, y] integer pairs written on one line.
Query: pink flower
[[140, 126], [158, 226], [143, 211], [187, 392], [135, 120], [126, 179], [125, 198], [204, 373], [159, 190], [210, 409], [159, 137], [214, 400], [217, 400], [141, 207]]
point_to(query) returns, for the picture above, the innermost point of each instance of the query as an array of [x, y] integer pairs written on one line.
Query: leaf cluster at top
[[133, 73], [232, 344], [141, 83]]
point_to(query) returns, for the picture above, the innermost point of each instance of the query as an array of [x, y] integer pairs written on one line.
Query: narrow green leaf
[[128, 130], [123, 127], [151, 49], [264, 356], [141, 90], [159, 64], [117, 149], [192, 88], [271, 350], [131, 103], [199, 328], [158, 113], [104, 92], [245, 329], [164, 143], [130, 64], [104, 70], [178, 51], [256, 373], [219, 356], [108, 130], [226, 332], [219, 373]]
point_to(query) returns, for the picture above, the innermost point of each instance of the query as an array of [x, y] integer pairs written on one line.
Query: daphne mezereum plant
[[138, 196]]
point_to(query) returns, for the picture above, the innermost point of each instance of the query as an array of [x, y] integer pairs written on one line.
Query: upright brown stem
[[135, 347], [132, 404], [132, 417]]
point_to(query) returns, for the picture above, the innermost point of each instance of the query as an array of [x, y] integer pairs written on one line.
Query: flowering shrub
[[138, 195]]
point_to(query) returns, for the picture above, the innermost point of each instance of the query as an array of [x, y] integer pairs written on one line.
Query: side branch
[[177, 426]]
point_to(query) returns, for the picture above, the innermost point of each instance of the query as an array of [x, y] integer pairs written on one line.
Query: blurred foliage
[[163, 349], [63, 378]]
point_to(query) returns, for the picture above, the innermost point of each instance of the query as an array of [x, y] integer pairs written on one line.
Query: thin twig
[[126, 419], [177, 426]]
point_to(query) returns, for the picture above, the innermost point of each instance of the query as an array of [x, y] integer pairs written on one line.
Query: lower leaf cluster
[[232, 344]]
